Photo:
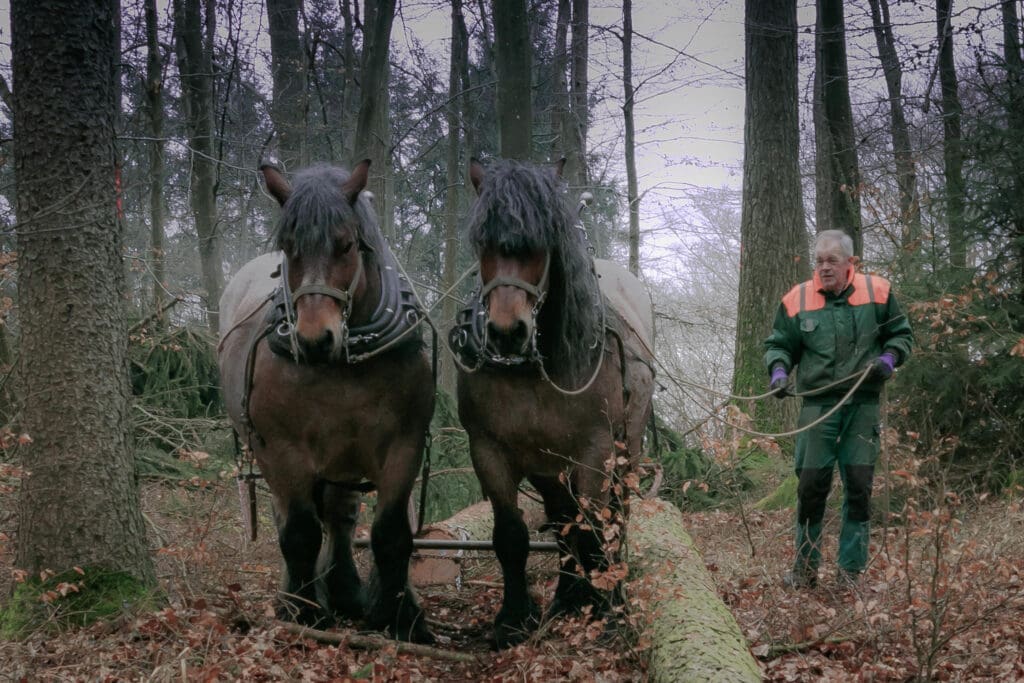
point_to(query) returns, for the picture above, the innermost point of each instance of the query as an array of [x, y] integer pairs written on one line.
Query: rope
[[713, 413], [758, 397]]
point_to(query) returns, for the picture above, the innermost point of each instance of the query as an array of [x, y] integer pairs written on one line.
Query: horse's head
[[323, 234], [530, 252]]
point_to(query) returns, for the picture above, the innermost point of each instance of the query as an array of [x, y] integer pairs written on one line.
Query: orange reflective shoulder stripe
[[869, 289], [803, 298]]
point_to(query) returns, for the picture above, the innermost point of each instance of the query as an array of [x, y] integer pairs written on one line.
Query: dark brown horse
[[556, 363], [324, 372]]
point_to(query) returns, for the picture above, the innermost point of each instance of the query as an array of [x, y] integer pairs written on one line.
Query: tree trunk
[[1015, 117], [474, 523], [513, 62], [773, 252], [906, 171], [195, 64], [154, 86], [289, 74], [79, 503], [579, 121], [694, 636], [952, 142], [560, 86], [843, 175], [347, 123], [632, 191], [453, 179], [373, 129]]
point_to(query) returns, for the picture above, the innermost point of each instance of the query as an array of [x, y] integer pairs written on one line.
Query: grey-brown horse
[[324, 372], [557, 368]]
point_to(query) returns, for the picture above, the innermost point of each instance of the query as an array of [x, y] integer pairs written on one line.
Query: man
[[835, 326]]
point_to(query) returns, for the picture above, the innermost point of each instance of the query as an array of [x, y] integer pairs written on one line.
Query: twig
[[361, 642], [150, 318]]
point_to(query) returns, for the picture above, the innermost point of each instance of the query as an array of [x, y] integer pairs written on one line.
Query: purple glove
[[778, 381], [882, 367]]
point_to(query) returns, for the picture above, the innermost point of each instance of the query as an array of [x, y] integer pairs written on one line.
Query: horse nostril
[[509, 339], [518, 335]]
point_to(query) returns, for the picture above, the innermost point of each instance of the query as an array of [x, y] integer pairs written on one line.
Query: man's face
[[831, 266]]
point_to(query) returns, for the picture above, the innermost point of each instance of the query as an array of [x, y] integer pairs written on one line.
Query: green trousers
[[849, 438]]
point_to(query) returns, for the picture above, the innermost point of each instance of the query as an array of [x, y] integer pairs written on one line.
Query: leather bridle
[[539, 292], [344, 297]]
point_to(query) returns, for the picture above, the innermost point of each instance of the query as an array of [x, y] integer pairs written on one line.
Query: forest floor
[[958, 618]]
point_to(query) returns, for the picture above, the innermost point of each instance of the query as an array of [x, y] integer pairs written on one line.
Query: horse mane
[[523, 208], [316, 210]]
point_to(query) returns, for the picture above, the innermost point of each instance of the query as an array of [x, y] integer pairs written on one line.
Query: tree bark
[[579, 115], [154, 88], [474, 523], [513, 62], [454, 175], [773, 252], [906, 170], [694, 636], [195, 65], [79, 504], [560, 86], [373, 129], [289, 75], [632, 191], [347, 124], [952, 142], [843, 177], [1015, 117]]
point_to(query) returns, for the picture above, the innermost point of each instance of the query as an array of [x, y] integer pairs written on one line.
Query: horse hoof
[[417, 633], [510, 631], [306, 615]]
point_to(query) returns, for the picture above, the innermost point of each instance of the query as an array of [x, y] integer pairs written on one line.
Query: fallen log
[[475, 523], [694, 636]]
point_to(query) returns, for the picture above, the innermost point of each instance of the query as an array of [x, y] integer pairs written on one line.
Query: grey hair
[[844, 241]]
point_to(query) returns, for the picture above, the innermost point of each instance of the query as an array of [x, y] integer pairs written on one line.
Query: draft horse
[[325, 374], [556, 368]]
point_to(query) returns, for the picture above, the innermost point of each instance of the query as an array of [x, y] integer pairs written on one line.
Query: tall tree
[[194, 47], [289, 74], [1015, 117], [579, 115], [632, 191], [513, 62], [373, 130], [952, 140], [834, 126], [454, 173], [561, 106], [906, 170], [79, 503], [154, 88], [773, 252]]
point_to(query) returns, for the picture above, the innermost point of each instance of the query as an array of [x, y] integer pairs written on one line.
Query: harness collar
[[396, 312]]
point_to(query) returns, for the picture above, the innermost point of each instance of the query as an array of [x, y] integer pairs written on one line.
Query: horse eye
[[343, 249]]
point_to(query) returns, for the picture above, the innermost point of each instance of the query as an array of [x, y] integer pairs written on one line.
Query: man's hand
[[779, 380], [882, 367]]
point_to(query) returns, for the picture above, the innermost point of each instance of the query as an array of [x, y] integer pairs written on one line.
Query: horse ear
[[277, 186], [476, 173], [356, 182], [559, 167]]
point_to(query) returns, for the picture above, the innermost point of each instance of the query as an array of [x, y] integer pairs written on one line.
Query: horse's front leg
[[299, 536], [392, 604], [574, 589], [343, 588], [519, 613]]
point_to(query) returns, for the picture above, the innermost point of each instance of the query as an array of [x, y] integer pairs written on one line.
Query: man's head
[[833, 259]]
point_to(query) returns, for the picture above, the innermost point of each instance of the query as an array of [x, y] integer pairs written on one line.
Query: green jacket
[[833, 336]]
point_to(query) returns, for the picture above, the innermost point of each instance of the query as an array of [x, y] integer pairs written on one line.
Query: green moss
[[72, 599], [782, 497]]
